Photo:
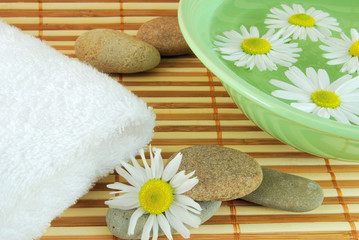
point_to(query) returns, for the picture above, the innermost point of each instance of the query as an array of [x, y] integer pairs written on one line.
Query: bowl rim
[[254, 94]]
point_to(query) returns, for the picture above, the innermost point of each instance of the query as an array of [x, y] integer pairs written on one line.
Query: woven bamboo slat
[[192, 108]]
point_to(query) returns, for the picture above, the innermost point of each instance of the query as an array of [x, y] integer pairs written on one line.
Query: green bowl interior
[[202, 20]]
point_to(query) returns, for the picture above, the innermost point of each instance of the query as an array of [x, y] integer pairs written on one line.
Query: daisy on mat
[[157, 191]]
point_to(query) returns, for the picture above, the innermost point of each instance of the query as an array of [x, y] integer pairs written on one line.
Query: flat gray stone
[[118, 220], [286, 192]]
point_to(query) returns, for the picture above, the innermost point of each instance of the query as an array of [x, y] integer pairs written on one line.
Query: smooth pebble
[[287, 192], [164, 34], [224, 173], [118, 220], [112, 51]]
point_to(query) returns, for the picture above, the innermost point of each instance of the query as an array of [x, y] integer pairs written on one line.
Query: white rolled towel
[[63, 125]]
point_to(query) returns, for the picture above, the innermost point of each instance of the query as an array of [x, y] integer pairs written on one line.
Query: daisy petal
[[180, 178], [177, 225], [296, 76], [164, 225], [312, 34], [125, 202], [133, 220], [244, 31], [352, 117], [291, 95], [348, 86], [136, 165], [131, 180], [312, 74], [172, 167], [269, 34], [155, 230], [338, 60], [352, 98], [340, 81], [157, 164], [338, 115], [187, 201], [310, 11], [345, 37], [192, 210], [184, 216], [147, 228], [289, 10], [352, 64], [323, 112], [135, 173], [147, 168], [353, 108], [279, 13], [354, 33], [323, 79], [298, 8], [186, 186], [306, 107], [285, 86], [253, 31], [122, 187]]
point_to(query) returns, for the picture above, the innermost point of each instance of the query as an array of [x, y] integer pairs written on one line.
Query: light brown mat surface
[[192, 108]]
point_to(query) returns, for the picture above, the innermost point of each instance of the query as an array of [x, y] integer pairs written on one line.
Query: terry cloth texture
[[63, 125]]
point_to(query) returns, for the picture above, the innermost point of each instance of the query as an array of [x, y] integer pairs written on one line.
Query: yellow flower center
[[326, 98], [155, 196], [255, 45], [302, 19], [354, 49]]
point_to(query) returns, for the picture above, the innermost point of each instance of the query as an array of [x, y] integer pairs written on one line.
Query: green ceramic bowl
[[202, 20]]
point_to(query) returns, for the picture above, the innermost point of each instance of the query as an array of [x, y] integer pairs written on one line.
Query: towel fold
[[63, 125]]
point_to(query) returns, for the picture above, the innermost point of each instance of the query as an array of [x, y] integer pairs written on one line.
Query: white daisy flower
[[298, 22], [158, 192], [249, 50], [315, 94], [343, 50]]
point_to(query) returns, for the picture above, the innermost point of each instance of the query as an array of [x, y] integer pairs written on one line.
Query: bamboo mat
[[192, 108]]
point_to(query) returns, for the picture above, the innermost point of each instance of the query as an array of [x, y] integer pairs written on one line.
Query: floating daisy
[[315, 94], [343, 51], [249, 50], [298, 22], [157, 191]]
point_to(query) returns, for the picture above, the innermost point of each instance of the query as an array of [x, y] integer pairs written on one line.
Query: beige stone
[[224, 173], [165, 34], [112, 51]]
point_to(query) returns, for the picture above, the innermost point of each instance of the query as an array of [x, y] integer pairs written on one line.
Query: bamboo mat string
[[341, 200], [236, 227], [41, 20], [122, 23]]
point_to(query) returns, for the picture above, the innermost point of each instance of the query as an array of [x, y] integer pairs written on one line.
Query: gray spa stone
[[286, 192], [118, 220]]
